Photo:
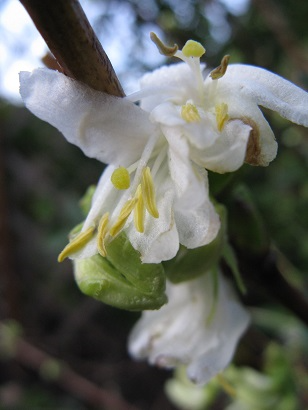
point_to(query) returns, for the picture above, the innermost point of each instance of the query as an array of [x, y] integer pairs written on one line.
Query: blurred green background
[[42, 178]]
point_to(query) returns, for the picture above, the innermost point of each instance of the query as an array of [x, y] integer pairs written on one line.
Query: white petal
[[269, 90], [160, 240], [200, 133], [239, 108], [103, 200], [189, 181], [105, 127], [234, 320], [169, 336], [197, 227], [228, 152], [167, 113], [172, 81]]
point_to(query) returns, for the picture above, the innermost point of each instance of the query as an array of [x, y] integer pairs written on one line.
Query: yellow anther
[[77, 243], [101, 234], [124, 214], [162, 48], [148, 192], [221, 115], [120, 178], [193, 49], [139, 211], [220, 71], [190, 113]]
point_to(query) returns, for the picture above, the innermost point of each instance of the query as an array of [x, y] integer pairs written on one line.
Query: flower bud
[[120, 279]]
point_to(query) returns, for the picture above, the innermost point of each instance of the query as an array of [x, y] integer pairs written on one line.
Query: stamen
[[190, 113], [77, 243], [139, 211], [221, 115], [220, 71], [228, 388], [101, 234], [162, 48], [193, 49], [148, 192], [120, 178], [124, 214]]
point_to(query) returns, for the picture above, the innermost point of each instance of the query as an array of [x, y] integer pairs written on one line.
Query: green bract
[[120, 279]]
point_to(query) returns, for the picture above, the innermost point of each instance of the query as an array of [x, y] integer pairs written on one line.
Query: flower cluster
[[155, 189]]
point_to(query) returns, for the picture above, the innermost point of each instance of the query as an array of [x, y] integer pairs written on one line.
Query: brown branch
[[72, 41], [30, 356]]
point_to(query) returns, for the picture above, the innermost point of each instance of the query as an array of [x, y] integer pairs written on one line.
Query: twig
[[71, 39], [55, 371]]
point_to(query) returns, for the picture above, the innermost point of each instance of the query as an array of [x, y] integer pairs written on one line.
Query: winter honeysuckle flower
[[193, 329], [151, 188], [155, 188]]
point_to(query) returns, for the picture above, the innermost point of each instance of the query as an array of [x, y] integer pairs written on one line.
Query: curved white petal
[[169, 336], [200, 134], [228, 152], [266, 138], [104, 198], [160, 240], [197, 227], [171, 80], [175, 82], [235, 320], [98, 123], [168, 114], [187, 178], [269, 90]]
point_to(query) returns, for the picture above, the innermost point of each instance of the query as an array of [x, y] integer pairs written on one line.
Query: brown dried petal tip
[[253, 152]]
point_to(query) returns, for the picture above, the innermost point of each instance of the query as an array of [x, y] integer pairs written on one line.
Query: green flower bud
[[120, 279]]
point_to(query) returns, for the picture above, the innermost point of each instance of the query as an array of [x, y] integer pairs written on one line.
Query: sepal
[[120, 279]]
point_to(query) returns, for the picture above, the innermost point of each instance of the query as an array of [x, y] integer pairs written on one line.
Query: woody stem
[[71, 39]]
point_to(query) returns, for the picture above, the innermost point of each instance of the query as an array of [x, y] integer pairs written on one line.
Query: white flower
[[192, 329], [155, 187]]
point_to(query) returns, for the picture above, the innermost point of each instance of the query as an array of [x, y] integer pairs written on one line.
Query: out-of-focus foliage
[[42, 178]]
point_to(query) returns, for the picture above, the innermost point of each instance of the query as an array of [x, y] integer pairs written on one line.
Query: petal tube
[[96, 122], [269, 90]]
